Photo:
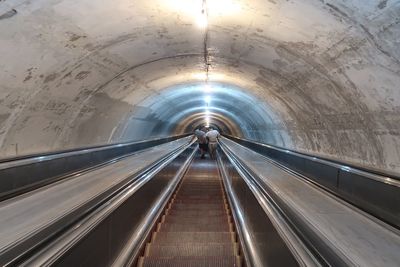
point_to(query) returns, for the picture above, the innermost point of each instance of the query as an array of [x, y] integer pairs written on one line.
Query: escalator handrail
[[22, 176], [333, 249], [132, 251], [301, 251], [370, 174], [81, 213], [40, 157]]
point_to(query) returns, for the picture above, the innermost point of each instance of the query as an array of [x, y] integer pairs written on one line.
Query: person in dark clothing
[[202, 140]]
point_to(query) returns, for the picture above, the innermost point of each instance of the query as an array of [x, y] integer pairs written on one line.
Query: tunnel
[[298, 81]]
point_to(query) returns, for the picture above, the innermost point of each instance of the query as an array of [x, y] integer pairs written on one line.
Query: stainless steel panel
[[23, 174], [377, 198], [260, 239], [340, 233], [31, 219], [376, 194], [102, 245]]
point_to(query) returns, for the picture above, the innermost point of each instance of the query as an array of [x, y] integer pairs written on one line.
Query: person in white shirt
[[212, 137]]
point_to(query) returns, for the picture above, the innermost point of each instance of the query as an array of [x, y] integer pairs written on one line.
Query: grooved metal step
[[202, 206], [198, 213], [191, 249], [197, 237], [197, 220], [195, 201], [182, 227], [231, 261], [196, 229]]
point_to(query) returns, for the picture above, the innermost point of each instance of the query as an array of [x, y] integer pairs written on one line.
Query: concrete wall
[[316, 76]]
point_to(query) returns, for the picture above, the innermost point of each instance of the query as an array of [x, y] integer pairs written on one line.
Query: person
[[202, 140], [212, 138]]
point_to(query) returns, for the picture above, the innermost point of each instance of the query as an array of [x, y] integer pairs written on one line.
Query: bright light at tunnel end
[[207, 120], [207, 88], [207, 99], [202, 20]]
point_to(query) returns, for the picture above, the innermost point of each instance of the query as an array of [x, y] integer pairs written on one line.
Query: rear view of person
[[202, 140], [212, 137]]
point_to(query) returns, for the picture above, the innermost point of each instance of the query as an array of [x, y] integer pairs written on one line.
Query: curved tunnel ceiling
[[315, 76]]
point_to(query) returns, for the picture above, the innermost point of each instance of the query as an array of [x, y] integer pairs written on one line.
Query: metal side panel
[[31, 219], [374, 193], [261, 240], [375, 197], [343, 234], [117, 231], [20, 175]]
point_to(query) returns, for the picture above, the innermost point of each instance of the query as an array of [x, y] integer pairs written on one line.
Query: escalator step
[[191, 249], [200, 207], [199, 197], [201, 186], [231, 261], [197, 220], [196, 229], [196, 201], [196, 213], [193, 237], [176, 227]]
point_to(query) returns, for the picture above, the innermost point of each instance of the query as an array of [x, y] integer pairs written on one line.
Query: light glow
[[191, 7], [199, 75], [207, 99], [212, 76], [195, 9], [223, 7], [207, 120], [202, 20], [207, 88]]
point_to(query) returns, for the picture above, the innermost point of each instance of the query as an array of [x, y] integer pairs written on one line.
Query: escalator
[[156, 208], [196, 228], [162, 207]]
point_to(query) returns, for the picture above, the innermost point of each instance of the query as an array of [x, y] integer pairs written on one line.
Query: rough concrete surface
[[316, 76]]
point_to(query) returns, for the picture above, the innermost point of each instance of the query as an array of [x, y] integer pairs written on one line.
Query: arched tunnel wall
[[319, 77]]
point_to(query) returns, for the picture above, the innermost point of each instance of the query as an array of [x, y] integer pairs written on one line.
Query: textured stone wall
[[320, 77]]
